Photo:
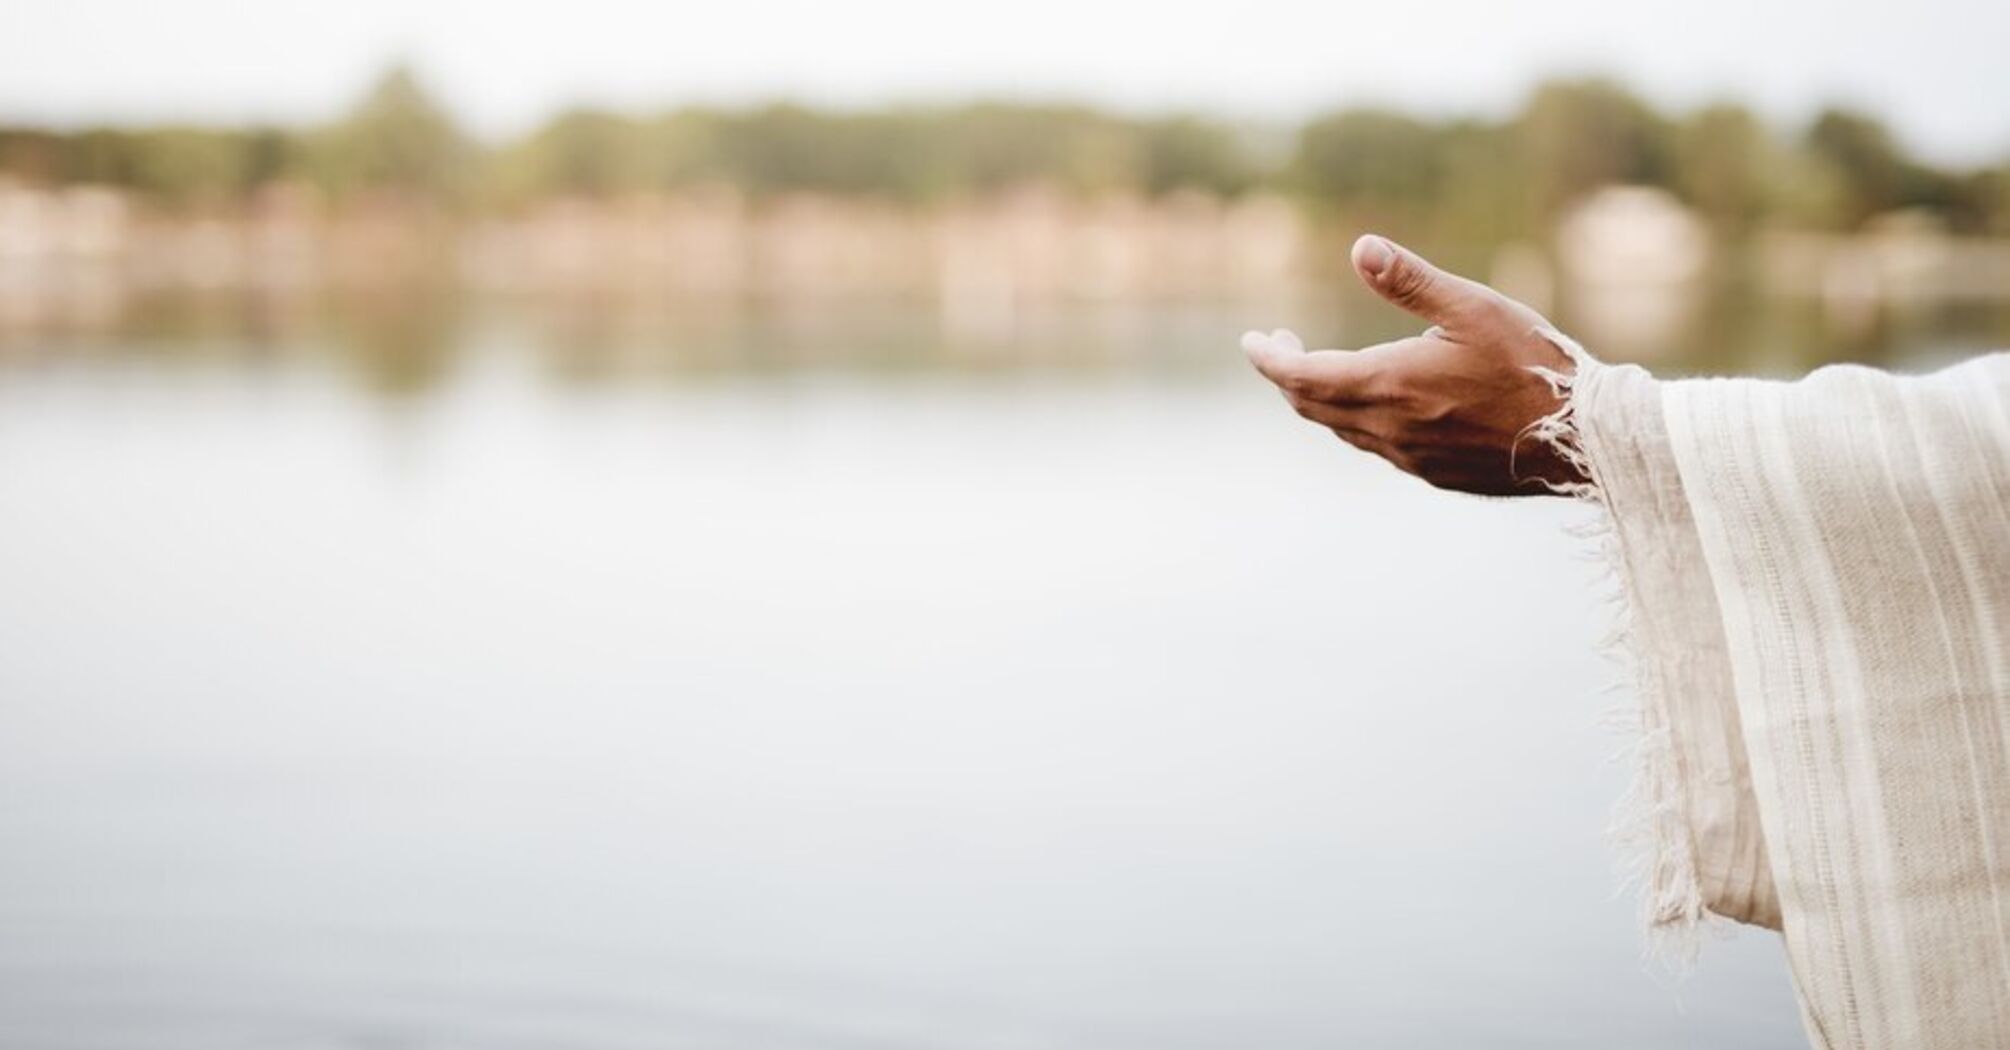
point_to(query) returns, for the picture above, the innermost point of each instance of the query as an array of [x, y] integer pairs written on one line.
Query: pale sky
[[1938, 69]]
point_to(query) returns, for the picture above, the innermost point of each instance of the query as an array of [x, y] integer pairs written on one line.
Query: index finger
[[1337, 376]]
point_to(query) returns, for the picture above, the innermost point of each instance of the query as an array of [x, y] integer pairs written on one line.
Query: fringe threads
[[1649, 827]]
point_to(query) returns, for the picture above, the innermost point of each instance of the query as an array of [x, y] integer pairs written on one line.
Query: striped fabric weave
[[1817, 582]]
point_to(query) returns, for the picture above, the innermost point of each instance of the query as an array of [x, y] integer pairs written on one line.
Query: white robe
[[1816, 582]]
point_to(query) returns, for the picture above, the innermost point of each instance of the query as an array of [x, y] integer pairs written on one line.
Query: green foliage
[[397, 139], [1869, 171], [907, 155], [1372, 157], [1465, 180], [1720, 157], [190, 164], [1185, 153], [789, 148], [585, 152], [179, 165], [1580, 135], [1982, 202]]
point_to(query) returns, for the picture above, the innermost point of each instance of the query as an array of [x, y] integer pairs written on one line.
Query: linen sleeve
[[1690, 823], [1817, 581]]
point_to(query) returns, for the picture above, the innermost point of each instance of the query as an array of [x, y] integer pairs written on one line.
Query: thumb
[[1405, 279]]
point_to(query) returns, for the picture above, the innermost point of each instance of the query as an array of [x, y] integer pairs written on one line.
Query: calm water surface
[[804, 708]]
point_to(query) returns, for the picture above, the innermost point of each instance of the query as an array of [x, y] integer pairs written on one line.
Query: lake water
[[790, 708]]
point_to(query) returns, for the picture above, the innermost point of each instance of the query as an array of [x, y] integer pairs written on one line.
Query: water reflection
[[807, 707], [755, 674], [410, 340]]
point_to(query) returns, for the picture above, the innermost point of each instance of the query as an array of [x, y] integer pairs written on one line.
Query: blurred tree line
[[1472, 180]]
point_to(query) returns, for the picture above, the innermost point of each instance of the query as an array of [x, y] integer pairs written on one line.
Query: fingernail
[[1287, 340], [1254, 341], [1374, 255]]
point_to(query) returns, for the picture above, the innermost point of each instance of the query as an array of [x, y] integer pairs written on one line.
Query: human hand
[[1454, 406]]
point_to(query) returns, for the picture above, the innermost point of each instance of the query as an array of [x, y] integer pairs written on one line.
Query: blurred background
[[749, 528]]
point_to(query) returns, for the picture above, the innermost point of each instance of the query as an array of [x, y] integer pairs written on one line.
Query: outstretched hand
[[1453, 406]]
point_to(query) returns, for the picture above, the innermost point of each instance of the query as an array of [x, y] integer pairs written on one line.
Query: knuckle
[[1519, 316], [1316, 390], [1381, 384], [1411, 419], [1485, 305], [1412, 408], [1434, 414], [1408, 284]]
